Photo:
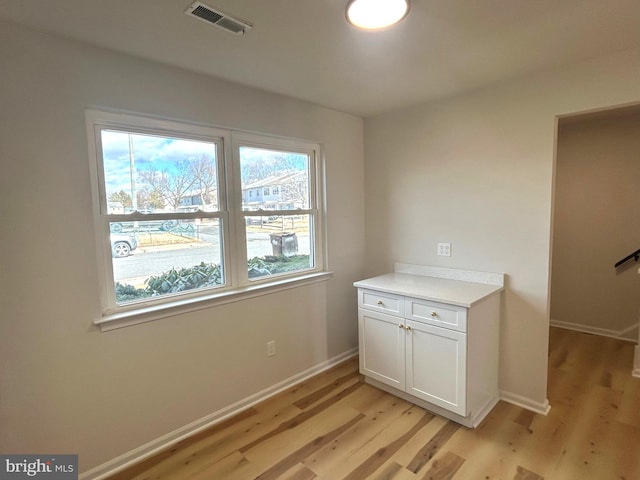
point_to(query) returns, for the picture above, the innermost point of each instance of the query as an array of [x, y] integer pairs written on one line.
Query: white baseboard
[[605, 332], [524, 402], [164, 442]]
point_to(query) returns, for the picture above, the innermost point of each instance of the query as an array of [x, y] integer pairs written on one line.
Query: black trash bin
[[284, 243]]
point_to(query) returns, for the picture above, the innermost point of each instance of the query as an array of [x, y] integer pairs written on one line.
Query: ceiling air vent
[[215, 17]]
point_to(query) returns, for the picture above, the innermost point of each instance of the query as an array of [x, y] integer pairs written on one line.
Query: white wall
[[477, 171], [596, 206], [64, 386]]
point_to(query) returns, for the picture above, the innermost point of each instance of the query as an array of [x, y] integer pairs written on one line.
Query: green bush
[[270, 264], [174, 281], [128, 293], [205, 275]]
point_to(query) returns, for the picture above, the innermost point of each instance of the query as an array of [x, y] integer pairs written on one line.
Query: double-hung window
[[189, 213]]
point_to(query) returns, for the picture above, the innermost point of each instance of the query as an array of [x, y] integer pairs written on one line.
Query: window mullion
[[239, 233]]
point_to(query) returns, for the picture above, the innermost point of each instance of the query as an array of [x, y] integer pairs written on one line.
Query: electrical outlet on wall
[[444, 249], [271, 348]]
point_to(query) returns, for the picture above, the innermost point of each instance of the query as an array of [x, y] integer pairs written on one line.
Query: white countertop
[[445, 290]]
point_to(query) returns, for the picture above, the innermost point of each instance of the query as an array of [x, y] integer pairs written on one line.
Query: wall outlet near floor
[[444, 249], [271, 348]]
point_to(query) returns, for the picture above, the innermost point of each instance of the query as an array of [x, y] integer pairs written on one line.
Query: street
[[145, 262]]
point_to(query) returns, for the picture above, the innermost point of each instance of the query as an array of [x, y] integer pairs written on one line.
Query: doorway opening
[[596, 223]]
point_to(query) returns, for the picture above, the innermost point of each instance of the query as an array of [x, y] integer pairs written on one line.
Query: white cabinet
[[438, 355], [382, 347], [436, 365], [424, 360]]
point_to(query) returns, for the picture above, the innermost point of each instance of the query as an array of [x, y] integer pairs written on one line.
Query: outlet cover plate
[[444, 249]]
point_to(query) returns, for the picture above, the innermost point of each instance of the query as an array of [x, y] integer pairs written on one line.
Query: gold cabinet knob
[[409, 327], [400, 325], [434, 314], [380, 302]]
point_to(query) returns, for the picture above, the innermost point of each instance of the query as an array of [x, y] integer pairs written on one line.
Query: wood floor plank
[[365, 398], [231, 467], [485, 462], [415, 444], [535, 445], [268, 454], [443, 467], [525, 418], [302, 417], [319, 394], [311, 447], [391, 471], [431, 449], [309, 386], [623, 451], [358, 443], [381, 455], [628, 409], [299, 472], [491, 451], [524, 474], [587, 438]]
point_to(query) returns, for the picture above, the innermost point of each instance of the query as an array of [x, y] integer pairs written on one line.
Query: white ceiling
[[305, 48]]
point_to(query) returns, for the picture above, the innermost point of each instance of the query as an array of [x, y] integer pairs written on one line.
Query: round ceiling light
[[376, 14]]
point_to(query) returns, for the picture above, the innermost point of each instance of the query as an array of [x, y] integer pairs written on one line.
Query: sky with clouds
[[149, 153], [165, 154]]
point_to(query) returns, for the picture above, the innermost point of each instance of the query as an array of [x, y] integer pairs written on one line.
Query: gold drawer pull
[[380, 302], [434, 314]]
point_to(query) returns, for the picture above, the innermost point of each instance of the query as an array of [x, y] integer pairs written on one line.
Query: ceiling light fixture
[[376, 14]]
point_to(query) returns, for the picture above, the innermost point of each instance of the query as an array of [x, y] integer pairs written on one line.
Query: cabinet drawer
[[381, 302], [439, 314]]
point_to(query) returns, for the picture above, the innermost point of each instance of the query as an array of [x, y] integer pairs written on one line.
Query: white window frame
[[312, 151], [237, 285]]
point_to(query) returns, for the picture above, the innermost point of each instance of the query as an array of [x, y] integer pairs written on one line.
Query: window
[[284, 228], [176, 219]]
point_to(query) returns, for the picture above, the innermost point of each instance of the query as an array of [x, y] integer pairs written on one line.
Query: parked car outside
[[122, 245], [260, 220], [118, 227]]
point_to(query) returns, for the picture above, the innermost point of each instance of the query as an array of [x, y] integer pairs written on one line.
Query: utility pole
[[132, 173]]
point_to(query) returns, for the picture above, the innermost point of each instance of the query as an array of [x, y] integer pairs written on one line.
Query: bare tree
[[171, 186], [204, 172], [297, 189]]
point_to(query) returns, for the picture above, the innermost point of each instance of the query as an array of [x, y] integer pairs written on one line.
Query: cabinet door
[[437, 365], [382, 347]]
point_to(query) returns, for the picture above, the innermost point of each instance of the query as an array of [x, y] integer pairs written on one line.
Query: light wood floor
[[334, 427]]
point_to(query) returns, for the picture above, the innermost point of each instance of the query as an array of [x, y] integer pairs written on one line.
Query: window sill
[[114, 321]]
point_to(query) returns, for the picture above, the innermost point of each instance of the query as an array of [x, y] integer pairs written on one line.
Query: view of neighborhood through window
[[167, 205], [154, 181], [148, 172], [276, 184]]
